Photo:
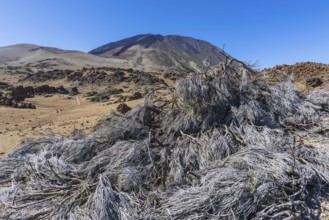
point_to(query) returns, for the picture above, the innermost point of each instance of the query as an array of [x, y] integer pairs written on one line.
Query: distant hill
[[162, 52], [306, 74], [145, 51], [34, 54]]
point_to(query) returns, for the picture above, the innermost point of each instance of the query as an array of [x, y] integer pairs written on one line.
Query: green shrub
[[115, 91], [101, 97], [91, 93], [72, 93], [7, 93], [6, 86]]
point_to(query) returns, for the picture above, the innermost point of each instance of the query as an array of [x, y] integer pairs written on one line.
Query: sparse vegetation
[[6, 86], [7, 93], [72, 93], [90, 93], [101, 97], [115, 91]]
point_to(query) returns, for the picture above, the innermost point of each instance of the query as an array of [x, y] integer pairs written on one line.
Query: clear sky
[[270, 31]]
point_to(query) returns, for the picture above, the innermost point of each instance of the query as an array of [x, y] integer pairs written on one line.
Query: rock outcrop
[[11, 102]]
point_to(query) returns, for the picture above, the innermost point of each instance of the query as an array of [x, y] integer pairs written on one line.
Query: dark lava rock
[[20, 93], [62, 90], [23, 105], [96, 77], [118, 77], [5, 101], [123, 108], [314, 82], [46, 89], [42, 76], [74, 76], [75, 90], [143, 78], [136, 95]]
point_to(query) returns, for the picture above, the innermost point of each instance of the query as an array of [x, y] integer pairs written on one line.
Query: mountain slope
[[163, 52]]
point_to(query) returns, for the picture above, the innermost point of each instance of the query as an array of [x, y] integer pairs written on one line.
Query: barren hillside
[[169, 52], [307, 75], [48, 57]]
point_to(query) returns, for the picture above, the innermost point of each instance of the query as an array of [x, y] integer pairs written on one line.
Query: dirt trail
[[78, 100]]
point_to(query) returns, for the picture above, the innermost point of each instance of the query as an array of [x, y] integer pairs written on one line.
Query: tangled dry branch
[[227, 148]]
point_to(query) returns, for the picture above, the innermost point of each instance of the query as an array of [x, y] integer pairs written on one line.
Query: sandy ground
[[54, 115], [58, 114]]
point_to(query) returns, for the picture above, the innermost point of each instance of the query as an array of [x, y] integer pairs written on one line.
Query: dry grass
[[301, 72]]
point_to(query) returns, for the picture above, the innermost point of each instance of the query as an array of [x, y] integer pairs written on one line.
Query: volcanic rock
[[123, 108]]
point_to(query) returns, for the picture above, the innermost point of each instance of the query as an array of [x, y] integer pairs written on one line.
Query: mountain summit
[[162, 52]]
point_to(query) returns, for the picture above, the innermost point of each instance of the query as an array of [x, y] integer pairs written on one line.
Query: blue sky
[[270, 31]]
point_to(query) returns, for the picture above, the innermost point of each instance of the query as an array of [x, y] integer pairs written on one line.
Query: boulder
[[136, 95], [123, 108]]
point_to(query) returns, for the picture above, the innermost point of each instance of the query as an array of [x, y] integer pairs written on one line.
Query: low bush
[[115, 91], [101, 97], [225, 147]]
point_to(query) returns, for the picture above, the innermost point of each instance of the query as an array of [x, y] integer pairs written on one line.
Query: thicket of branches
[[225, 147]]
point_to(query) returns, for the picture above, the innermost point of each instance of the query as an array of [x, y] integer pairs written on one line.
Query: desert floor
[[54, 115]]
